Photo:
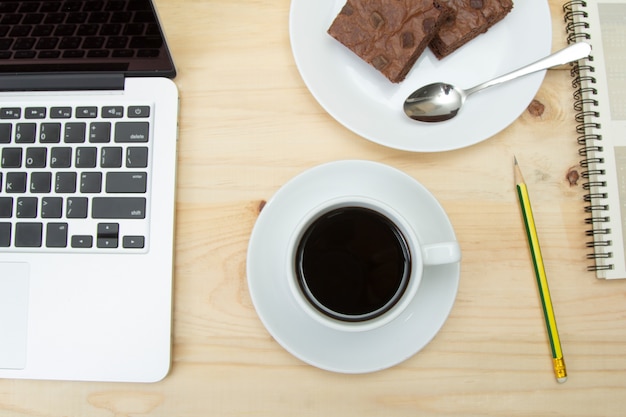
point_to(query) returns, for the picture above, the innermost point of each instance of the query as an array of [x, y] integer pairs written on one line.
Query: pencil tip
[[515, 159]]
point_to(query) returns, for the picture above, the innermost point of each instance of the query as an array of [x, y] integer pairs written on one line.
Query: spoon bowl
[[440, 101]]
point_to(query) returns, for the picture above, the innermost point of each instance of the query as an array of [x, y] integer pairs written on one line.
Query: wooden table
[[248, 125]]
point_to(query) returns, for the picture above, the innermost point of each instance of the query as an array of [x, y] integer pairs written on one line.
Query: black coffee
[[353, 264]]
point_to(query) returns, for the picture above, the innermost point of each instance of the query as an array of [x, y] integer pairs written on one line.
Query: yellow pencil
[[544, 292]]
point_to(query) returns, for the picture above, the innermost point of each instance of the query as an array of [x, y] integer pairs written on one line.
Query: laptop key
[[113, 111], [148, 53], [107, 242], [10, 113], [136, 157], [108, 235], [134, 29], [47, 44], [5, 132], [16, 182], [25, 54], [23, 45], [65, 182], [133, 242], [56, 235], [36, 157], [73, 53], [126, 182], [28, 235], [68, 31], [35, 113], [77, 18], [88, 112], [86, 157], [138, 111], [26, 208], [111, 157], [6, 207], [5, 235], [118, 208], [53, 18], [20, 30], [25, 133], [90, 182], [49, 6], [40, 182], [82, 241], [69, 42], [73, 6], [11, 158], [60, 157], [97, 53], [98, 19], [100, 132], [108, 230], [60, 112], [30, 17], [75, 132], [111, 29], [131, 131], [50, 133], [146, 17], [28, 7], [8, 7], [49, 54], [121, 17], [43, 30], [77, 207], [51, 207], [123, 53], [116, 42], [90, 31], [146, 42]]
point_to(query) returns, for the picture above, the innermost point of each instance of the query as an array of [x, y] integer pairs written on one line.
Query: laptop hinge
[[61, 82]]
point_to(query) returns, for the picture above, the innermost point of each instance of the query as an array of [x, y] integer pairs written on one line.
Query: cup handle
[[441, 253]]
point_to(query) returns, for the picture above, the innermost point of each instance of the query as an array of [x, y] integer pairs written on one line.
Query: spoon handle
[[571, 53]]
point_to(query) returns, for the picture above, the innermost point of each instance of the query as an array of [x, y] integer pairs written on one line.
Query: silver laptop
[[88, 131]]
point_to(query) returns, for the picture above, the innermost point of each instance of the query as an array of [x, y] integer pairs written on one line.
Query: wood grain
[[248, 125]]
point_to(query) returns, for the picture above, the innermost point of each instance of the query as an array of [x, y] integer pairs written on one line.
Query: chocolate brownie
[[389, 34], [470, 19]]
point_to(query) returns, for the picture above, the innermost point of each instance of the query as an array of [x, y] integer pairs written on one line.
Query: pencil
[[542, 281]]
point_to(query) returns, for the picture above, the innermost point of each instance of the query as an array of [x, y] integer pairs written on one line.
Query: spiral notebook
[[600, 103]]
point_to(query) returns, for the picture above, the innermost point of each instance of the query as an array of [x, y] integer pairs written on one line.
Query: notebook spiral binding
[[585, 105]]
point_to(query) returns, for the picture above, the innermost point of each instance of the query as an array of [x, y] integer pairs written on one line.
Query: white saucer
[[364, 101], [294, 329]]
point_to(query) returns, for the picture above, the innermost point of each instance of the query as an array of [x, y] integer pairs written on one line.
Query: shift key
[[118, 208]]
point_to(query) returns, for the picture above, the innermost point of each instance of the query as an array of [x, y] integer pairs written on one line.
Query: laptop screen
[[99, 36]]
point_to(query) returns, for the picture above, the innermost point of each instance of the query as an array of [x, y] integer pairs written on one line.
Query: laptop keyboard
[[53, 29], [75, 177]]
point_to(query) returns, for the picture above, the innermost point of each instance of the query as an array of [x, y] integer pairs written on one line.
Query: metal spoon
[[441, 101]]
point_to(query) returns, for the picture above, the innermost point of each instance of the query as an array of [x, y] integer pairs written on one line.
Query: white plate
[[293, 328], [366, 102]]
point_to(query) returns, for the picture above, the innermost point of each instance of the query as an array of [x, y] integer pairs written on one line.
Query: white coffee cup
[[322, 259]]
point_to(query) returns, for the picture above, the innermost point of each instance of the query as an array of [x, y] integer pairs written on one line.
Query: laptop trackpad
[[14, 279]]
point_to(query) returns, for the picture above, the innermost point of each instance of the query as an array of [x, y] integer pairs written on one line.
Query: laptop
[[88, 132]]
